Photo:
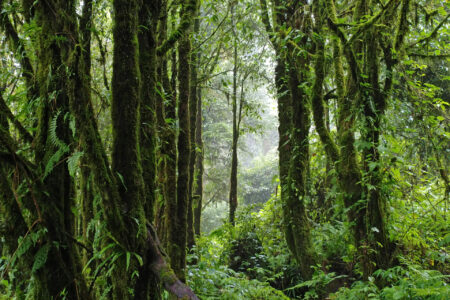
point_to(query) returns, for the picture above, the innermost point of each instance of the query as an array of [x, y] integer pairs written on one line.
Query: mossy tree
[[63, 77], [294, 123], [360, 181]]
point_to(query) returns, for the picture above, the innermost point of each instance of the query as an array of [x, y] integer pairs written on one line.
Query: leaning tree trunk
[[12, 222]]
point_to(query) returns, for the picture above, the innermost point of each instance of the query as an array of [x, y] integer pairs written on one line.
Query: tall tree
[[293, 127]]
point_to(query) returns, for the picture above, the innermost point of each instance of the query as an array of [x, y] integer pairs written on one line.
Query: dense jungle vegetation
[[203, 149]]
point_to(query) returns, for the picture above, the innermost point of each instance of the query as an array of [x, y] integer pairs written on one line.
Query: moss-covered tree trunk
[[170, 149], [293, 116], [163, 95], [236, 115], [148, 22], [126, 152], [86, 195], [12, 222], [193, 99], [295, 206], [198, 191], [147, 285], [55, 198], [179, 237]]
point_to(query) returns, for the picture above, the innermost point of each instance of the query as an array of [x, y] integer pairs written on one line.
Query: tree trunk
[[295, 206], [147, 284], [198, 192], [126, 152], [193, 99], [178, 238], [55, 198], [234, 158]]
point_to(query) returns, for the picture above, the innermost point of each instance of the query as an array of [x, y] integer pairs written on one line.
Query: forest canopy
[[203, 149]]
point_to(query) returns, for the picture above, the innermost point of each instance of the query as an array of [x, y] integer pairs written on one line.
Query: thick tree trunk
[[126, 152], [295, 206], [374, 107], [147, 284], [178, 238], [148, 21], [62, 268]]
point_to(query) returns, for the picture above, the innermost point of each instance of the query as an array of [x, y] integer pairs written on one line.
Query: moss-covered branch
[[331, 149], [189, 7], [432, 34], [367, 24], [4, 109], [161, 269], [348, 51]]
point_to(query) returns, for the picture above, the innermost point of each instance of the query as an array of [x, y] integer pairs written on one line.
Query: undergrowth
[[251, 261]]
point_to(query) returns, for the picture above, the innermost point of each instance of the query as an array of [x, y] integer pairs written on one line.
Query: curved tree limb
[[162, 270], [4, 109], [432, 34]]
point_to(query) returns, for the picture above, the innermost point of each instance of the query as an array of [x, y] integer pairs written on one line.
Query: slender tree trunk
[[374, 107], [163, 95], [171, 158], [198, 192], [234, 158], [193, 99], [86, 179]]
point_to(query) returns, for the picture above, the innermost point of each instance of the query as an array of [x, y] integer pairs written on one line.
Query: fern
[[72, 162], [40, 258], [54, 137], [63, 148], [52, 162]]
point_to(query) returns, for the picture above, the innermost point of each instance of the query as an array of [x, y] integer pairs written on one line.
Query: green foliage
[[210, 279], [257, 182], [408, 282], [255, 248], [72, 162], [317, 286], [61, 147], [41, 257]]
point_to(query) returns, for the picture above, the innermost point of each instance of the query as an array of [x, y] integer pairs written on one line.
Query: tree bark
[[193, 99], [234, 158], [198, 192]]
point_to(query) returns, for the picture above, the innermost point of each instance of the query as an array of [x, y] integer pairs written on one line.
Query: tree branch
[[185, 23], [163, 271], [432, 34], [4, 109]]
